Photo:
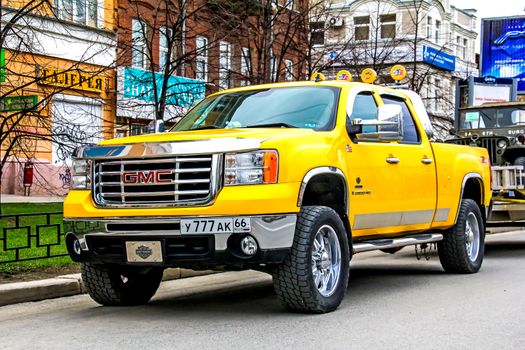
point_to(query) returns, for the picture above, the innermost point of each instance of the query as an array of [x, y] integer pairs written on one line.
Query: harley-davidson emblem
[[144, 252], [145, 177]]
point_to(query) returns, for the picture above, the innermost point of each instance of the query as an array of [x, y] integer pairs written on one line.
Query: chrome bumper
[[272, 232]]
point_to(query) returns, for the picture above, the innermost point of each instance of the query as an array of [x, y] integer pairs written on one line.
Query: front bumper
[[104, 240]]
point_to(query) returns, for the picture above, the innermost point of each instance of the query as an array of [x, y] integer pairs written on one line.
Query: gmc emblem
[[146, 177]]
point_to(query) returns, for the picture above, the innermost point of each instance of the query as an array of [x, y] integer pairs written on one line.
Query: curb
[[68, 285]]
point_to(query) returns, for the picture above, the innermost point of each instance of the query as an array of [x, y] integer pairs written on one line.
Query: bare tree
[[375, 41], [32, 124], [269, 37], [157, 42]]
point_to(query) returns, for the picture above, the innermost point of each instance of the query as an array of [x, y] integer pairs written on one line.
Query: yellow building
[[56, 88]]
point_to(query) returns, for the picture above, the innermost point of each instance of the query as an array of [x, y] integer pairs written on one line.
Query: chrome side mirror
[[388, 125]]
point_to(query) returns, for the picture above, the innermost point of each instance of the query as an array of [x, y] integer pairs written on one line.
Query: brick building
[[168, 58]]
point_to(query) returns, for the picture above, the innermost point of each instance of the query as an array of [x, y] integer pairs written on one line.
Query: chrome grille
[[175, 181]]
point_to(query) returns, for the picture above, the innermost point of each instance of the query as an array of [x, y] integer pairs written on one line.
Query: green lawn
[[18, 238]]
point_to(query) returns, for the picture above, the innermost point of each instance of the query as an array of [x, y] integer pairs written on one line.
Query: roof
[[496, 105], [332, 83]]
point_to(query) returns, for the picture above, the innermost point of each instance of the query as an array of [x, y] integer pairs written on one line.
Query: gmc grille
[[176, 181]]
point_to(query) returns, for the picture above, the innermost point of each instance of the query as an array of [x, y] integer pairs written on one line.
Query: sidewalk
[[68, 285], [12, 198]]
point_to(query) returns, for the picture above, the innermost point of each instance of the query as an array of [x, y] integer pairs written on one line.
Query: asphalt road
[[393, 302]]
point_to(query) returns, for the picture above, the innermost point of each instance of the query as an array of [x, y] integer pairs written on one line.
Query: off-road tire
[[293, 280], [114, 285], [452, 250]]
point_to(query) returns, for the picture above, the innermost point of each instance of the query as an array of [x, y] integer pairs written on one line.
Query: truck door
[[418, 171], [375, 177]]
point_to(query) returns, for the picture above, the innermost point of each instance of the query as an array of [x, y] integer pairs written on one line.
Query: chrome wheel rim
[[326, 260], [472, 236]]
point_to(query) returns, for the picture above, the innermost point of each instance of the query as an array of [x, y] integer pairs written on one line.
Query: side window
[[410, 134], [365, 107]]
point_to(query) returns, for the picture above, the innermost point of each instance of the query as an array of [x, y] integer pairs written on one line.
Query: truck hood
[[192, 142]]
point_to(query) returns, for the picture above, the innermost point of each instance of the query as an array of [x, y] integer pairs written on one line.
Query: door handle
[[426, 160], [392, 160]]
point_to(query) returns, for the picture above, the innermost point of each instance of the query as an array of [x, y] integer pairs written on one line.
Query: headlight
[[81, 174], [258, 167], [502, 143]]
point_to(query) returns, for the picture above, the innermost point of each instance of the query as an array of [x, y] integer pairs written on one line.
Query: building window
[[201, 62], [388, 26], [317, 33], [164, 49], [76, 121], [438, 32], [273, 66], [139, 53], [246, 66], [461, 47], [289, 70], [437, 94], [429, 28], [224, 64], [429, 91], [78, 11], [362, 28]]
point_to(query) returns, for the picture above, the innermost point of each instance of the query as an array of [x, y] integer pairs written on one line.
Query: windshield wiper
[[207, 127], [272, 125]]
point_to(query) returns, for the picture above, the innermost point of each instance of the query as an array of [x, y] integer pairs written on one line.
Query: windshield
[[489, 118], [311, 107]]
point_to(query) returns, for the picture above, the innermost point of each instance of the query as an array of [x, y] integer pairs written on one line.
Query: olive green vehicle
[[500, 128]]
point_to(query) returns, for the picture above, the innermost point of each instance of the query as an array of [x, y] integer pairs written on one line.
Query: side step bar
[[377, 244]]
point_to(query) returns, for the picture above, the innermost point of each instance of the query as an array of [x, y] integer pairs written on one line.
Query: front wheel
[[114, 285], [314, 277], [463, 246]]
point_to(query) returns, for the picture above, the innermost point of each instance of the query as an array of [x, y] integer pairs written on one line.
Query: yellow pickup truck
[[290, 178]]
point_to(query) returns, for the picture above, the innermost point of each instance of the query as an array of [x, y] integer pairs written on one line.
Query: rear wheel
[[463, 246], [314, 277], [115, 285]]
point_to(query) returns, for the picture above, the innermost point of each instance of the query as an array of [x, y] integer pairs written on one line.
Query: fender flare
[[467, 177], [320, 171]]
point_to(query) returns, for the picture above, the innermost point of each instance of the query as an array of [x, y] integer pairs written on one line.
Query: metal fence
[[31, 237]]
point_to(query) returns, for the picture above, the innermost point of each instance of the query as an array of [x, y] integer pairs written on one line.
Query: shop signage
[[137, 98], [140, 85], [73, 79], [2, 65], [439, 58], [18, 103]]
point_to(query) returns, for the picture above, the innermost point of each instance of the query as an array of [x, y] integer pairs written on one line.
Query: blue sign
[[503, 48], [183, 92], [439, 58]]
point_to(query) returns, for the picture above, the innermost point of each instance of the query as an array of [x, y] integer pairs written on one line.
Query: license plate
[[219, 225], [144, 251]]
